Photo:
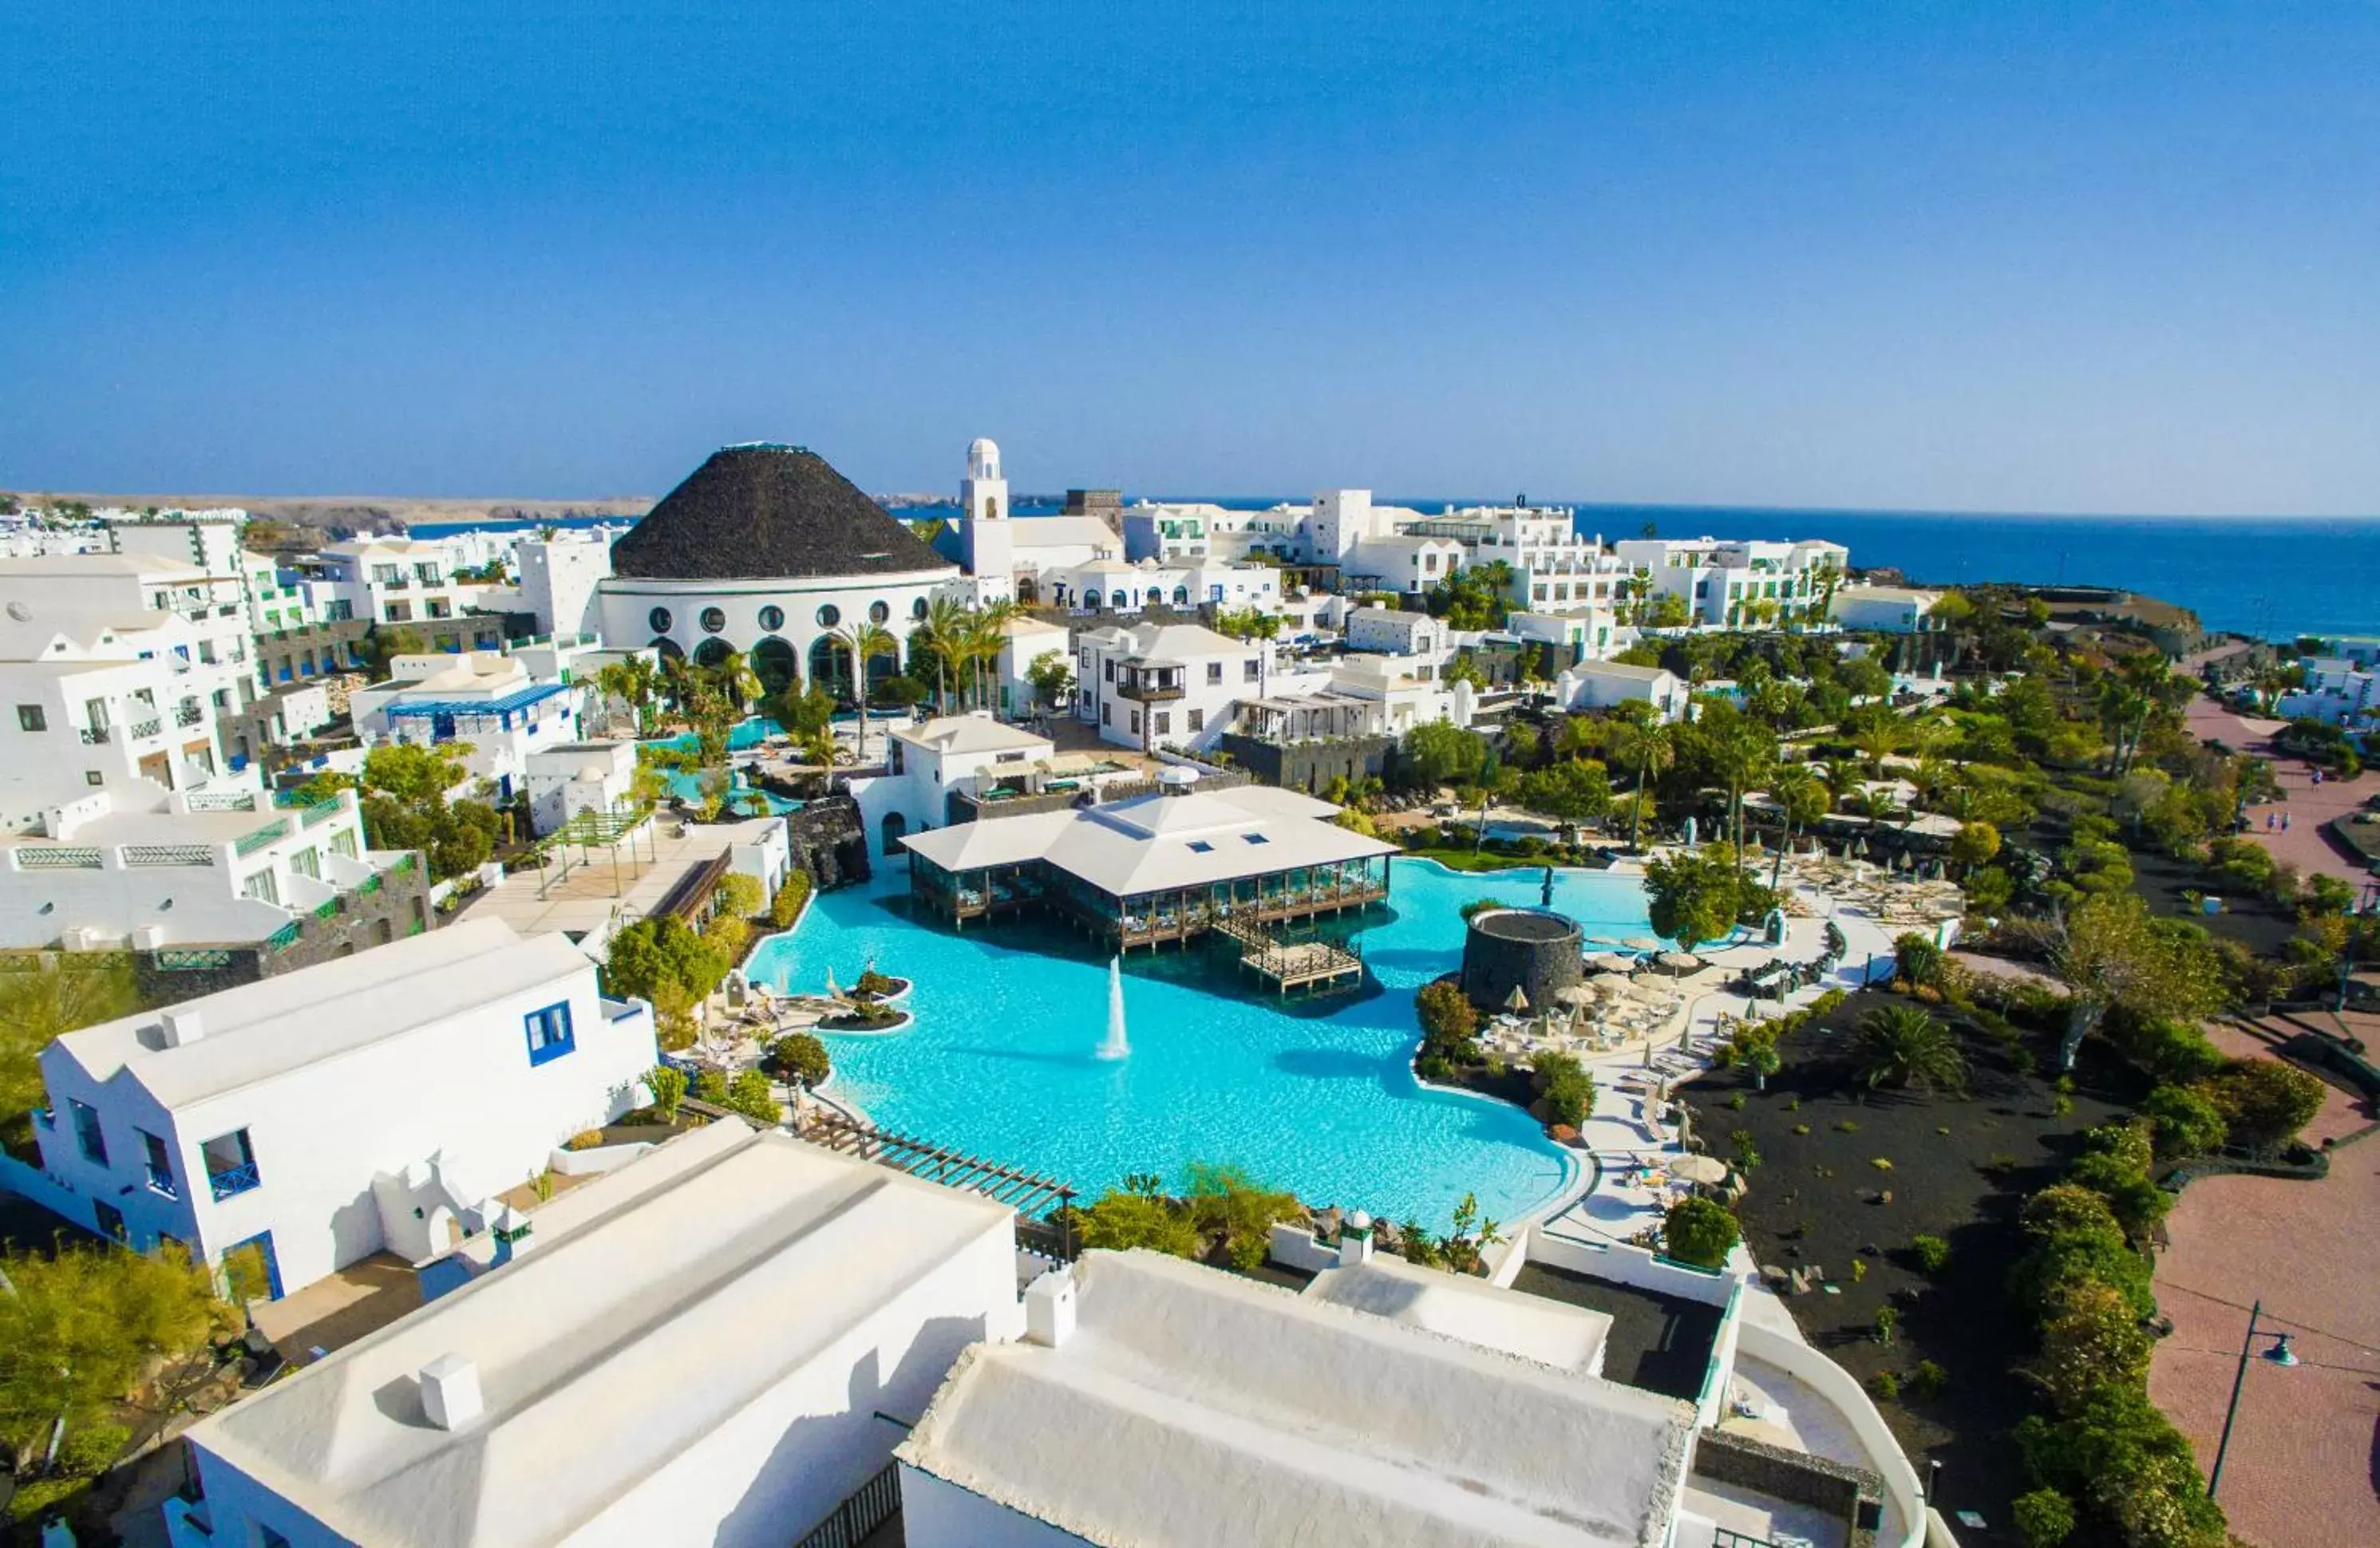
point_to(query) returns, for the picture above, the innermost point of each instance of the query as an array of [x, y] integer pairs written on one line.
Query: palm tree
[[1648, 745], [865, 641], [940, 633], [1900, 1046], [631, 681], [736, 679], [989, 636], [1801, 800]]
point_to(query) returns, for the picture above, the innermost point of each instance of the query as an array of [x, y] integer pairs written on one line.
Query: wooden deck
[[1311, 965]]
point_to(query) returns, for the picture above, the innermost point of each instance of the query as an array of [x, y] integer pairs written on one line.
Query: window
[[267, 1538], [262, 887], [1107, 714], [307, 863], [161, 1164], [1197, 719], [879, 612], [1164, 722], [93, 776], [400, 612], [661, 620], [111, 1220], [1255, 838], [917, 609], [30, 717], [1214, 671], [1135, 727], [772, 618], [829, 615], [549, 1033], [231, 1165], [88, 1133], [713, 620], [1250, 671], [1200, 846]]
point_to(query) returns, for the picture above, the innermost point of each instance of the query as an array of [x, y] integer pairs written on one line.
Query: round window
[[829, 616], [772, 618], [917, 609], [660, 619], [713, 620], [879, 612]]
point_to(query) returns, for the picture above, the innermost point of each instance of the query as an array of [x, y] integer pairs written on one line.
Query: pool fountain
[[1115, 1046]]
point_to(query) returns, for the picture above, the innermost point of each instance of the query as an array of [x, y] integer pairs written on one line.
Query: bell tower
[[983, 497]]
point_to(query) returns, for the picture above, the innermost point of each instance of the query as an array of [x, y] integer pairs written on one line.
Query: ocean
[[2272, 577]]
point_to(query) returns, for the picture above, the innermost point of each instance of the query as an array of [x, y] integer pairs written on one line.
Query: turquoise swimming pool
[[1315, 1096]]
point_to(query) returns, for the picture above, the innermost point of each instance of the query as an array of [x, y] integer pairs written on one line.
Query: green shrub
[[2044, 1518], [800, 1058], [1448, 1022], [2263, 1102], [748, 1096], [91, 1449], [1747, 1150], [1929, 1380], [1567, 1088], [2184, 1122], [1929, 1253], [1700, 1232], [1886, 1385], [786, 906], [36, 1497], [586, 1139], [668, 1086]]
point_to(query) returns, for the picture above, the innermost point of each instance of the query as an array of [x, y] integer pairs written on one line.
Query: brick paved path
[[2309, 806]]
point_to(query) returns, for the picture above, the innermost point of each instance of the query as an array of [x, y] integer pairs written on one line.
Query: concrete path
[[2309, 806]]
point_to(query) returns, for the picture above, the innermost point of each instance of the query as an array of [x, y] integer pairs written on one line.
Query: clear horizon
[[1989, 261]]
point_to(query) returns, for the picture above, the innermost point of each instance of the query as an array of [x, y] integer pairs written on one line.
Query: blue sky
[[1999, 256]]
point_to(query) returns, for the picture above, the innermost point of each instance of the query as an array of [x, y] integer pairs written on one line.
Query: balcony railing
[[232, 1181], [143, 729], [269, 833], [1145, 692], [187, 716], [94, 736], [160, 1182]]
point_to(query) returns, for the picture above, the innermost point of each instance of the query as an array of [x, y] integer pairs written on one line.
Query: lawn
[[1958, 1168]]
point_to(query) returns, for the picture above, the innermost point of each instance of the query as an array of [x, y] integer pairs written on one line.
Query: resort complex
[[790, 1021]]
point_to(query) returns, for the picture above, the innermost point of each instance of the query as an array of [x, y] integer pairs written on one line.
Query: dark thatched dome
[[762, 510]]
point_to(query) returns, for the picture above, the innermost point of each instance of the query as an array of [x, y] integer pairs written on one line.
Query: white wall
[[627, 604], [1905, 1516], [788, 1458]]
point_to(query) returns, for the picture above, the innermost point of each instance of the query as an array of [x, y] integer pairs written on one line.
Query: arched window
[[878, 611], [772, 618], [1180, 596], [829, 615], [661, 621], [713, 620], [668, 648], [917, 609]]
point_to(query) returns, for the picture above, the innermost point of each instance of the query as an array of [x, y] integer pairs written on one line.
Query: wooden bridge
[[1311, 964]]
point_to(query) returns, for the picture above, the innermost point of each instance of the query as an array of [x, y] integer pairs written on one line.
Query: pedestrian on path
[[2285, 822]]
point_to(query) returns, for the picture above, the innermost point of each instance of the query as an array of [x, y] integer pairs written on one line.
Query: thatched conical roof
[[765, 510]]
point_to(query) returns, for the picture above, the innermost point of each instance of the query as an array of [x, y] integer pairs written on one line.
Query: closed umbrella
[[832, 992], [1517, 1000]]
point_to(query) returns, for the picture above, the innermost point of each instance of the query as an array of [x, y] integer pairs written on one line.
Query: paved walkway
[[2303, 1470], [2309, 806]]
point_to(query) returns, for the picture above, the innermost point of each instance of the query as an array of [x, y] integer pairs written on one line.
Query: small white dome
[[1361, 1220], [983, 458]]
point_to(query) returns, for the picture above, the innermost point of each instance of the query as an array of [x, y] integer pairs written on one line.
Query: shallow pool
[[1313, 1096]]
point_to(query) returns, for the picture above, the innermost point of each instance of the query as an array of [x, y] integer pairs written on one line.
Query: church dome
[[983, 458], [762, 511]]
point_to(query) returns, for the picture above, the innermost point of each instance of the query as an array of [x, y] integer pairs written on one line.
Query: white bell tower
[[983, 496]]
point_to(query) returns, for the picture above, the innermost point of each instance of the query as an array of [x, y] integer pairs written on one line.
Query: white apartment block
[[376, 1102], [1177, 533], [110, 703], [560, 577], [1026, 641], [1719, 580], [1608, 684], [926, 761], [209, 651], [1150, 685], [135, 866], [718, 1343], [491, 701], [396, 580], [1112, 586], [1891, 609], [2340, 689]]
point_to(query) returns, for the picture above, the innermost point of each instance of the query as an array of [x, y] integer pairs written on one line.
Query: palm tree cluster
[[963, 644]]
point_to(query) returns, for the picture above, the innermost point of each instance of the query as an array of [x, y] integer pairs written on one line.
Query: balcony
[[1151, 687], [160, 1182], [232, 1181], [96, 736], [142, 730], [187, 715]]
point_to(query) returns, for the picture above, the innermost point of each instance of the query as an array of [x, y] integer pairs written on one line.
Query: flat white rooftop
[[1191, 1407], [1462, 1306], [686, 1284], [269, 1028]]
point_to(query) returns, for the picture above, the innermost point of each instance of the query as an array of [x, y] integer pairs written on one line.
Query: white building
[[1113, 586], [1006, 558], [1165, 684], [1026, 641], [1158, 1403], [343, 1109], [1891, 609], [569, 778], [112, 694], [926, 761], [1393, 631], [135, 866], [1720, 580], [767, 551], [718, 1343], [488, 701], [2339, 689], [1586, 634], [209, 651], [396, 580], [561, 578], [1199, 531], [1608, 684]]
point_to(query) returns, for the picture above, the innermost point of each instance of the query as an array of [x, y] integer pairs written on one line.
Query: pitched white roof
[[1170, 641], [1462, 1306], [1192, 1407], [972, 733], [44, 566], [1152, 843], [1624, 669], [269, 1028], [643, 1317], [1054, 532]]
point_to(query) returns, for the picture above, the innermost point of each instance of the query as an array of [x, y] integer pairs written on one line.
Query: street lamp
[[2281, 1354]]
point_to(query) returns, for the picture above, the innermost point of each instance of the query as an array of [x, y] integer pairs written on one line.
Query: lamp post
[[2281, 1354]]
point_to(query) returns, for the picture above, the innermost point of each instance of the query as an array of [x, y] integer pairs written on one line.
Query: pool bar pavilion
[[1154, 868]]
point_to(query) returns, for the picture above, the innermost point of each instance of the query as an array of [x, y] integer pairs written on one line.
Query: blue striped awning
[[465, 707]]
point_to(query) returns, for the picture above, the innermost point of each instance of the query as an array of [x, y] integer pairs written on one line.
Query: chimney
[[1050, 1308], [1355, 1240], [450, 1391], [182, 1026]]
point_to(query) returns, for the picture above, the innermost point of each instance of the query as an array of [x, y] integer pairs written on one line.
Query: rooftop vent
[[450, 1391], [182, 1026], [1175, 780]]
